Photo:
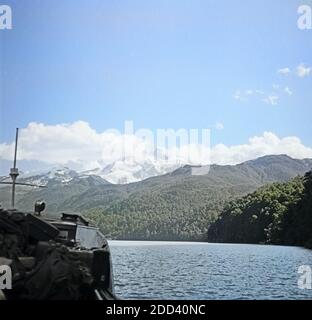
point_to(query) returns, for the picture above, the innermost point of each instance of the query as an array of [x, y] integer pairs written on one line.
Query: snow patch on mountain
[[119, 172], [123, 172]]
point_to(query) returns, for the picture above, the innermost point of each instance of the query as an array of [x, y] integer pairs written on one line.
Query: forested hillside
[[179, 206], [280, 213], [175, 206]]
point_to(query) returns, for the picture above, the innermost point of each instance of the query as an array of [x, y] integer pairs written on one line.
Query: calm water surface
[[170, 270]]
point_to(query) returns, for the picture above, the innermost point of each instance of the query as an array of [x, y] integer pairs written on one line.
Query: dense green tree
[[280, 213], [296, 227]]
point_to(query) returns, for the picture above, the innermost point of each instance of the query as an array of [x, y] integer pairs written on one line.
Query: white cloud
[[267, 144], [303, 71], [259, 95], [79, 145], [244, 95], [219, 126], [59, 143], [249, 92], [272, 100], [284, 71], [238, 96], [288, 91]]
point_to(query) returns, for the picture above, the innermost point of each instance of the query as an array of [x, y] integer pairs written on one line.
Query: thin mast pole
[[15, 152], [14, 171]]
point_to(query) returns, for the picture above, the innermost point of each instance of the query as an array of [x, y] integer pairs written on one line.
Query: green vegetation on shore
[[280, 213], [157, 219], [179, 206]]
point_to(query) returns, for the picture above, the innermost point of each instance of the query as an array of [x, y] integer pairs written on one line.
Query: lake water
[[169, 270]]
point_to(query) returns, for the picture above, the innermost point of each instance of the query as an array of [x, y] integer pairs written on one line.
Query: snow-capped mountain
[[119, 172], [62, 176], [55, 175], [123, 172]]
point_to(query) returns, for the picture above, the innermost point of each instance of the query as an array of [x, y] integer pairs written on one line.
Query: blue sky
[[163, 64]]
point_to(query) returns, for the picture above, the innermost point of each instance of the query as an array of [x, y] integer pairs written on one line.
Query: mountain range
[[117, 172], [173, 206]]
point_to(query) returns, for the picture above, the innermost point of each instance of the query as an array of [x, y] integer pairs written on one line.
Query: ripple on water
[[168, 270]]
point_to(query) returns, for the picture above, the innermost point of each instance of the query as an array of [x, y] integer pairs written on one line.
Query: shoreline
[[125, 243]]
